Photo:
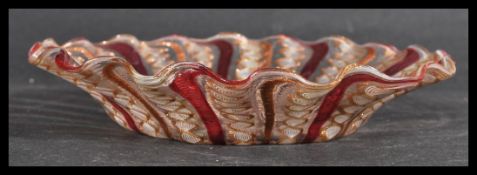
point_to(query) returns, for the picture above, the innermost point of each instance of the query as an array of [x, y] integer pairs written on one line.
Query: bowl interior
[[234, 57]]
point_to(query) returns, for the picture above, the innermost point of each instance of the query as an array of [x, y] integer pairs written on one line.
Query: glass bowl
[[228, 89]]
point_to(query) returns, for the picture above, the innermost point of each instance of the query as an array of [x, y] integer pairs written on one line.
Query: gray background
[[52, 122]]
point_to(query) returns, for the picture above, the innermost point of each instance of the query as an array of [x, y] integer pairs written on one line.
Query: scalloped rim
[[49, 46]]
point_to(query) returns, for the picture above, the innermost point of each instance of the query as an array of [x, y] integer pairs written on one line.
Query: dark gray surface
[[52, 122]]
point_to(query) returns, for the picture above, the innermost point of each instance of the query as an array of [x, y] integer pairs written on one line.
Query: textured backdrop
[[52, 122]]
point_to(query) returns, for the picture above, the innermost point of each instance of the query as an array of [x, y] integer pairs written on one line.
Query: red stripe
[[130, 54], [65, 62], [126, 115], [226, 51], [332, 99], [268, 104], [185, 85], [319, 52], [34, 48], [411, 57]]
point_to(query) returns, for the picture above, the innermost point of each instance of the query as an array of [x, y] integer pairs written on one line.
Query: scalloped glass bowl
[[228, 89]]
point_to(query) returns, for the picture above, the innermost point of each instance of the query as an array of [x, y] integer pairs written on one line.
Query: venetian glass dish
[[228, 89]]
